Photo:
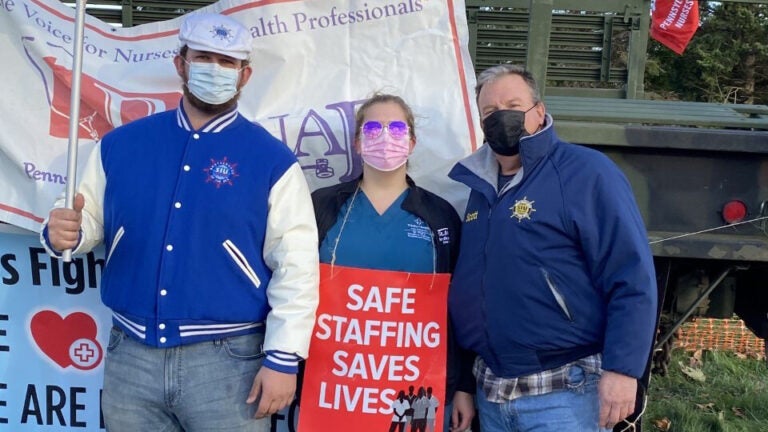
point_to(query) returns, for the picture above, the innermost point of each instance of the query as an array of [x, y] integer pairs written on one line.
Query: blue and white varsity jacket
[[210, 233], [554, 267]]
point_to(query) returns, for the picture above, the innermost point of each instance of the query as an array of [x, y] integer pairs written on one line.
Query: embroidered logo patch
[[418, 230], [221, 32], [522, 209], [443, 235], [471, 216], [221, 172]]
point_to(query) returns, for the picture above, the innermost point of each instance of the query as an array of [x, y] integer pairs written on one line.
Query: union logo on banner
[[102, 106], [378, 353], [68, 341]]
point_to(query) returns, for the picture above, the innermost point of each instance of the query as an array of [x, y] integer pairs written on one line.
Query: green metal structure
[[129, 13], [564, 41]]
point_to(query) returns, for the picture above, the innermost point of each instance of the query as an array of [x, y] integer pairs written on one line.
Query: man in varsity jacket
[[212, 265]]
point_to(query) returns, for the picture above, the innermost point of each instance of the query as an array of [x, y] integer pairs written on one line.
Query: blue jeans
[[447, 413], [576, 408], [198, 387]]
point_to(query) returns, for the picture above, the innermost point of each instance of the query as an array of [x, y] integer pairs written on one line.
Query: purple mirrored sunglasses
[[396, 129]]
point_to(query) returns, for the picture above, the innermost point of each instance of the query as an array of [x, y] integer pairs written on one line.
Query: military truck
[[699, 170]]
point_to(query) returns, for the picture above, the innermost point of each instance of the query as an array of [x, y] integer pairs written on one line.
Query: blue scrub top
[[396, 240]]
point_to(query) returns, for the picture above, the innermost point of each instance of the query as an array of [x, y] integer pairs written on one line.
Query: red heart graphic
[[69, 341]]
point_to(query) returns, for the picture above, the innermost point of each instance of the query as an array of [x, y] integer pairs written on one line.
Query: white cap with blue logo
[[216, 33]]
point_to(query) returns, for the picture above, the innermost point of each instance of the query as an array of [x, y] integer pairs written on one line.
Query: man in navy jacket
[[555, 286]]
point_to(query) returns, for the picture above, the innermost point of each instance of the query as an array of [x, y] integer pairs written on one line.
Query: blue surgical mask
[[212, 83]]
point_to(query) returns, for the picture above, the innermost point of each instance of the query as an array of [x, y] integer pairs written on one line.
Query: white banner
[[314, 62]]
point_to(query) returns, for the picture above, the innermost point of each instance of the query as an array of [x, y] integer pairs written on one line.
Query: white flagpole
[[74, 111]]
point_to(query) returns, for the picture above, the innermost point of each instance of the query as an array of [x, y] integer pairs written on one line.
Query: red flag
[[674, 22]]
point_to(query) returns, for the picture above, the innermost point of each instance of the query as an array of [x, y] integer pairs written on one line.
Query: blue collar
[[216, 124]]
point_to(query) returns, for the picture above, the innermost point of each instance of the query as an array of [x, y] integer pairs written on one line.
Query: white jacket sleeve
[[291, 252], [91, 184]]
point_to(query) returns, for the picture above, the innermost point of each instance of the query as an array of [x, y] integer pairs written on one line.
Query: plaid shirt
[[500, 390]]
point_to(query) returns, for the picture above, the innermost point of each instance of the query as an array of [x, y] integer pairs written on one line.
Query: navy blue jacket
[[554, 267]]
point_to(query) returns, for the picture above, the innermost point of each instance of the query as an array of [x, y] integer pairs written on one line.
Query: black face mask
[[503, 130]]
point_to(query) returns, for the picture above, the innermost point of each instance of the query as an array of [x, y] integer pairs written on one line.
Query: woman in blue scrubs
[[383, 221]]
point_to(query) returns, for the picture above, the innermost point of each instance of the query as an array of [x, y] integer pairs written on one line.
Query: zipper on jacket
[[559, 298], [484, 278], [115, 241], [241, 262]]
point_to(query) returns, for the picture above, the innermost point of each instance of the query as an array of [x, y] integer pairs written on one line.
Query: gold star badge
[[522, 209]]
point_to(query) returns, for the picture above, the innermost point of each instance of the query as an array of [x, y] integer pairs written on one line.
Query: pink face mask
[[384, 152]]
